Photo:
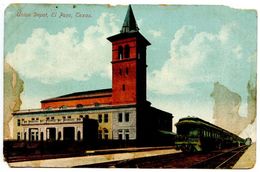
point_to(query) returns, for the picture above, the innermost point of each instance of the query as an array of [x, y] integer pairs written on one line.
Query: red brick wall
[[73, 103], [128, 95]]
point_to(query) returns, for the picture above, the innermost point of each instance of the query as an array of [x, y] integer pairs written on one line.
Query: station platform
[[248, 159], [92, 159]]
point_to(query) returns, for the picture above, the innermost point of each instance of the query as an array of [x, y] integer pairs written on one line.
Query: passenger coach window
[[194, 133]]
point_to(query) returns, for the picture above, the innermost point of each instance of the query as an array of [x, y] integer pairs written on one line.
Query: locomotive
[[195, 134]]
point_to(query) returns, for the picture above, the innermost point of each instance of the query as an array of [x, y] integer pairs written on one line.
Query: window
[[37, 118], [127, 51], [86, 116], [126, 71], [120, 135], [81, 116], [24, 135], [120, 52], [52, 117], [18, 122], [126, 117], [120, 117], [18, 136], [69, 117], [32, 119], [123, 87], [126, 134], [120, 71], [63, 117], [138, 55], [106, 118], [106, 134], [36, 135], [100, 118], [100, 134]]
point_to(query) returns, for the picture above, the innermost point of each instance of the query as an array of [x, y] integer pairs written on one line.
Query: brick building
[[120, 113]]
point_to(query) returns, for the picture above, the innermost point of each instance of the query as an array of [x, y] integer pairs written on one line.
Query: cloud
[[51, 58], [155, 33], [199, 57]]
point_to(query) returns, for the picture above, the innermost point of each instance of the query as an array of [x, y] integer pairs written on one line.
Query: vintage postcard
[[129, 86]]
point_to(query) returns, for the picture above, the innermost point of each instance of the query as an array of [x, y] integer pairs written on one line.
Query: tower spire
[[129, 24]]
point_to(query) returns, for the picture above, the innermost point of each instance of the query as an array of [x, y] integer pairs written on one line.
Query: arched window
[[127, 51], [120, 52]]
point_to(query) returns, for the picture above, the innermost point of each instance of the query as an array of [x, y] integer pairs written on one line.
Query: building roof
[[129, 24], [72, 109], [129, 29], [83, 94]]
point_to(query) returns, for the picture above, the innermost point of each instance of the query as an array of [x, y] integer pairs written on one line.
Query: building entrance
[[51, 133], [68, 133], [33, 134]]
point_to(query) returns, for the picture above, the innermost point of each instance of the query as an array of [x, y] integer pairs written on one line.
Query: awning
[[167, 132]]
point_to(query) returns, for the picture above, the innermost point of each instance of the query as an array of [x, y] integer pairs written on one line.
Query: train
[[195, 135]]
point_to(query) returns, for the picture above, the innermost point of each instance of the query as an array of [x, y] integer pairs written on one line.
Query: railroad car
[[248, 141], [195, 134]]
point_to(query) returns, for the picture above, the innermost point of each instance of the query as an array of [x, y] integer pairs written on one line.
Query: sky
[[192, 48]]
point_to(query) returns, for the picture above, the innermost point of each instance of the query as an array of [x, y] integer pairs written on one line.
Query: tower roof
[[129, 29], [129, 24]]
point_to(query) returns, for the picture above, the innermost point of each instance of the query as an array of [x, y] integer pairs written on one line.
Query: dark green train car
[[195, 134]]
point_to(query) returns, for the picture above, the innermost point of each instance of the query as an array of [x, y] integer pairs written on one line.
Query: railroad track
[[82, 153], [223, 160], [210, 160], [140, 162]]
